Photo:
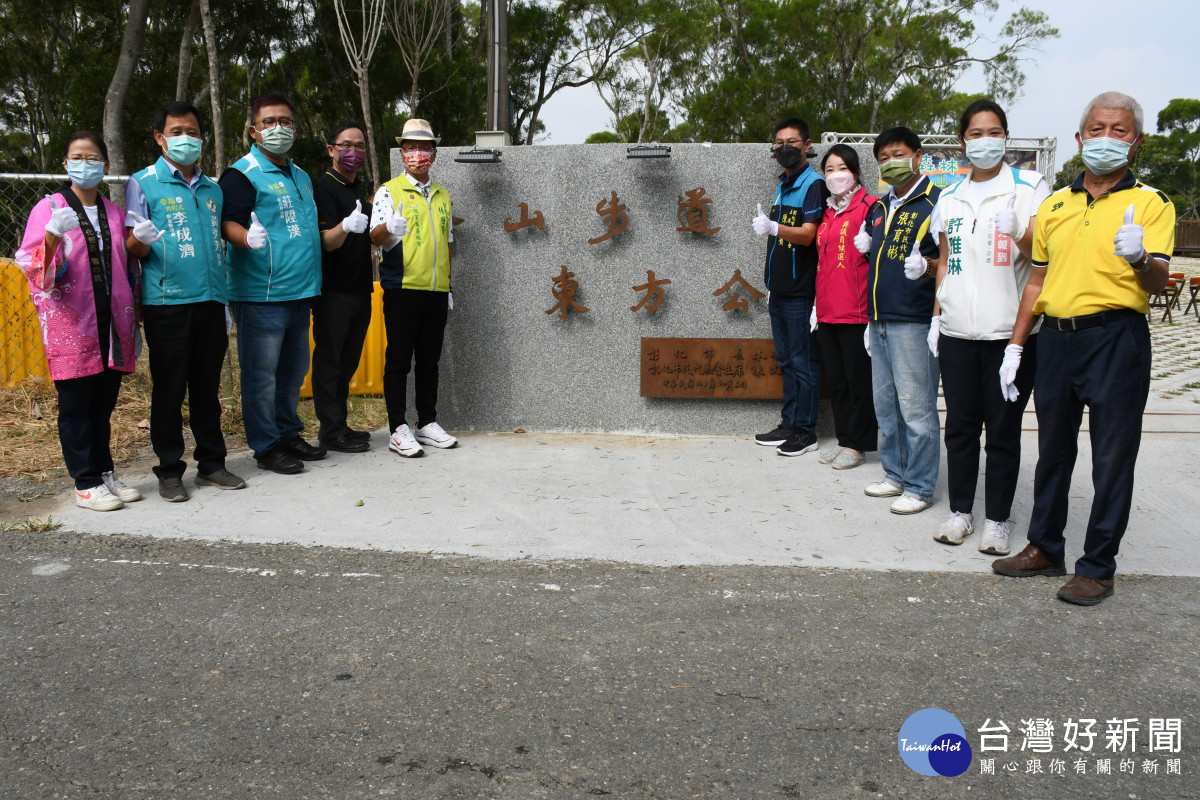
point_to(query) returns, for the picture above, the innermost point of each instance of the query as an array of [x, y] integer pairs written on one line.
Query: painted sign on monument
[[568, 257]]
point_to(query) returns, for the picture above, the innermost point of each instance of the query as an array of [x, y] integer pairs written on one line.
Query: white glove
[[256, 234], [144, 230], [61, 220], [935, 331], [867, 339], [914, 265], [1006, 220], [397, 225], [1128, 241], [357, 221], [449, 301], [763, 225], [812, 319], [862, 240], [1008, 372]]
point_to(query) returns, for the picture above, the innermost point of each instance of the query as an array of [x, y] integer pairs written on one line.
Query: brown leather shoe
[[1085, 591], [1027, 563]]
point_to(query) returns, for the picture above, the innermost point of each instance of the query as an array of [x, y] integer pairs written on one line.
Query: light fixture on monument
[[649, 151], [478, 155]]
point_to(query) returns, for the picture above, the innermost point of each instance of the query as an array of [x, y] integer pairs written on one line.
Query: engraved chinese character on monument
[[655, 294], [693, 213], [565, 287], [710, 368], [537, 220], [737, 302], [612, 211]]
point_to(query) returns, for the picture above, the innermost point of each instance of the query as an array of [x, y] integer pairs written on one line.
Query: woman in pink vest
[[73, 254], [840, 312]]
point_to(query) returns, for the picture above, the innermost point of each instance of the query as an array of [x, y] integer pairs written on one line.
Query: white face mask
[[986, 152]]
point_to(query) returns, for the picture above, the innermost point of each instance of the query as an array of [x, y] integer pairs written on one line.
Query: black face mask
[[788, 156]]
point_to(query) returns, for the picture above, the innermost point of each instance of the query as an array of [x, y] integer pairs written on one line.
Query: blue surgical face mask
[[277, 140], [85, 174], [1104, 156], [986, 152], [184, 150]]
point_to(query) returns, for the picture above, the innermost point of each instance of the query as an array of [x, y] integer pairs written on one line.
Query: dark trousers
[[796, 354], [971, 386], [415, 323], [85, 407], [340, 323], [1106, 368], [848, 370], [187, 350]]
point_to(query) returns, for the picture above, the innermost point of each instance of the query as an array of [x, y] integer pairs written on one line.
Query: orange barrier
[[21, 353], [369, 377]]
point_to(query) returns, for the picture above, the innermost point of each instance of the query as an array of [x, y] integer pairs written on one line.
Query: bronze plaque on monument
[[741, 369]]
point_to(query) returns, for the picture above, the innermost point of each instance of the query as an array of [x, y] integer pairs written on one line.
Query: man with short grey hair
[[1100, 247]]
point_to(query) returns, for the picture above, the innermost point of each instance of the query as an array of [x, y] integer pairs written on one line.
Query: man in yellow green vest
[[410, 221]]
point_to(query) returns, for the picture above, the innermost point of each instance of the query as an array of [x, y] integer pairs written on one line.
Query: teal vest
[[288, 267], [187, 265]]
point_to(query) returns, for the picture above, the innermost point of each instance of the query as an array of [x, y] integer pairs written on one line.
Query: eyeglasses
[[425, 146], [269, 122], [360, 147], [89, 159], [789, 142]]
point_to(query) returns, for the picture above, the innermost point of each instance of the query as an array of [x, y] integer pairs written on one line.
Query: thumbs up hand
[[357, 221], [763, 225], [915, 265], [61, 220], [862, 240], [256, 234], [1006, 220], [1128, 241], [397, 225], [144, 230]]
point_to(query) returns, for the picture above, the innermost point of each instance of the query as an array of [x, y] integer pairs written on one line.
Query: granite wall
[[509, 364]]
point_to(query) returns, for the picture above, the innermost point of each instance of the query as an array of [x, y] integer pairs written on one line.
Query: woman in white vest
[[987, 232]]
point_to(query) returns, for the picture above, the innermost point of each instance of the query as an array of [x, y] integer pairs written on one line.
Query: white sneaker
[[433, 435], [956, 526], [995, 538], [117, 487], [98, 498], [405, 444], [907, 504], [883, 488]]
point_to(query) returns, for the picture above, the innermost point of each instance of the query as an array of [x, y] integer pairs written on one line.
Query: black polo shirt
[[346, 270]]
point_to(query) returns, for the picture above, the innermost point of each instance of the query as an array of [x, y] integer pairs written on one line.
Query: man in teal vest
[[270, 222], [410, 221], [174, 220]]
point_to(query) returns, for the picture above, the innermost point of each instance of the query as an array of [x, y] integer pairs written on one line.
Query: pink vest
[[67, 311]]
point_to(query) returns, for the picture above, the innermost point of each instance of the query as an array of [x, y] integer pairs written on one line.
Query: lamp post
[[497, 65]]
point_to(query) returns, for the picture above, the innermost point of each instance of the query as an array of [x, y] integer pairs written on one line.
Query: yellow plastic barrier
[[369, 377], [21, 352]]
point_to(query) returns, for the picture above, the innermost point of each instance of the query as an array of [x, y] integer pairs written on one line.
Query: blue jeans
[[799, 360], [904, 378], [272, 340]]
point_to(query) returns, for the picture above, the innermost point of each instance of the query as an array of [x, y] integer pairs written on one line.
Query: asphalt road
[[147, 668]]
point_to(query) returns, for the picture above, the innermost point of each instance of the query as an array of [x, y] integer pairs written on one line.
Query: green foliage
[[603, 137]]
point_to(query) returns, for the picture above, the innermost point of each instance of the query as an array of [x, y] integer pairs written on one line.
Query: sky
[[1146, 49]]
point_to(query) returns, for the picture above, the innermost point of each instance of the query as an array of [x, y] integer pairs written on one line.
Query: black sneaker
[[798, 444], [345, 443], [774, 438], [361, 436], [277, 460], [171, 490], [298, 448], [221, 479]]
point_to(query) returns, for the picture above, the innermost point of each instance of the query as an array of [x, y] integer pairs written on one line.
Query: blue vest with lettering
[[288, 267], [187, 265]]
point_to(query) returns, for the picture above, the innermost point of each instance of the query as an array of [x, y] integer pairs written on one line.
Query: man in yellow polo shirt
[[1100, 246]]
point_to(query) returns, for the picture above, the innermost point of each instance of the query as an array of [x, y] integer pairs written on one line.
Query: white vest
[[978, 297]]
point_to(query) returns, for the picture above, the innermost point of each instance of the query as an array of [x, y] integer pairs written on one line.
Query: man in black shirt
[[342, 314]]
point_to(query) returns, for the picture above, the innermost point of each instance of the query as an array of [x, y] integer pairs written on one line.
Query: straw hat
[[417, 129]]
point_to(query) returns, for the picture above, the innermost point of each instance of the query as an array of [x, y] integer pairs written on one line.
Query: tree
[[114, 99], [360, 50], [419, 27], [1170, 161]]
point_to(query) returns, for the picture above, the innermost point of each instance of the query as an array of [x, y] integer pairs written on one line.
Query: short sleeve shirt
[[346, 270]]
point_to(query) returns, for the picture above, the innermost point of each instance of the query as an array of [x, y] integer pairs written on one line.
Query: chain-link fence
[[21, 353]]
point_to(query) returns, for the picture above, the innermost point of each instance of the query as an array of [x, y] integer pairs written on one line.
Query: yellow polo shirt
[[1073, 240]]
